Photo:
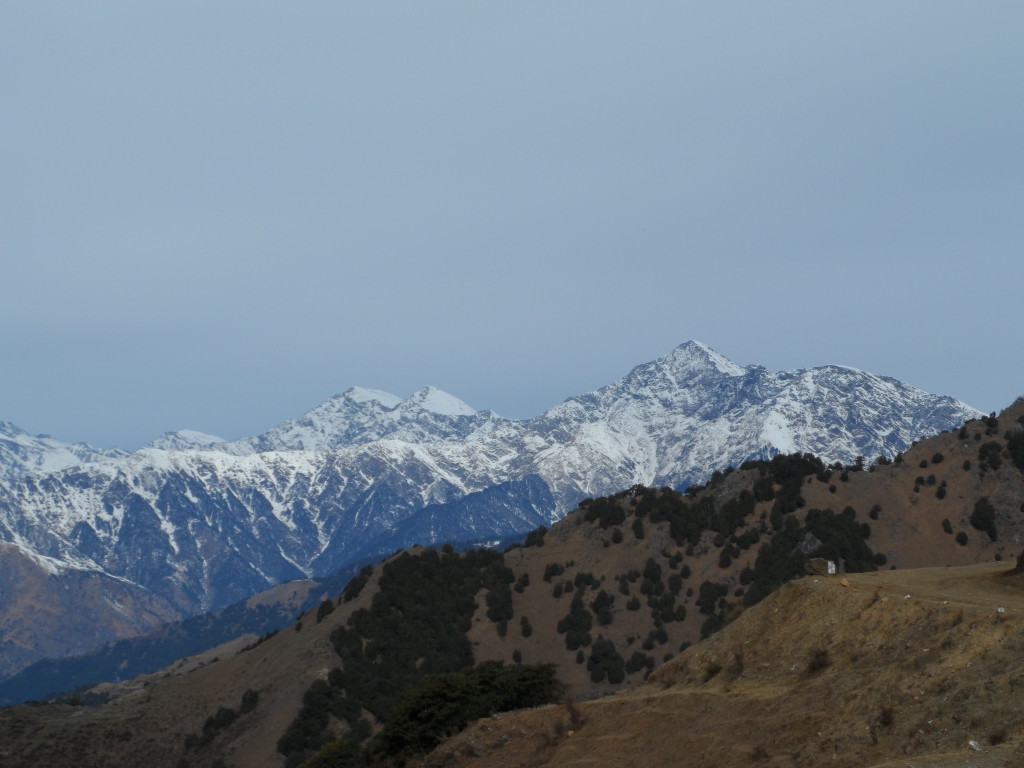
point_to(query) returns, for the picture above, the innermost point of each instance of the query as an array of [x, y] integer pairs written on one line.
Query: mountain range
[[192, 523], [887, 668]]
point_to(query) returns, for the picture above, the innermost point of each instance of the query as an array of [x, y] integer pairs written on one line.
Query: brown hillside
[[86, 606], [896, 668], [655, 577]]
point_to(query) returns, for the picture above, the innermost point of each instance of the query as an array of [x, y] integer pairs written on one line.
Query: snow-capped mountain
[[21, 452], [678, 418], [200, 522]]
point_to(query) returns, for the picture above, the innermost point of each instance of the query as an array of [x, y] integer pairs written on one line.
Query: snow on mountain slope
[[201, 523], [20, 452], [186, 440], [361, 416], [674, 420]]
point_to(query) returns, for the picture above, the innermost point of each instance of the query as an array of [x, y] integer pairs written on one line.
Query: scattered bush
[[819, 660], [576, 625], [249, 700], [325, 609], [535, 538], [355, 586], [553, 569], [605, 662], [983, 518], [997, 737], [990, 455], [1015, 447]]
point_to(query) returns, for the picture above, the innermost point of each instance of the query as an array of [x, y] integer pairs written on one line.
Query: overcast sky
[[217, 215]]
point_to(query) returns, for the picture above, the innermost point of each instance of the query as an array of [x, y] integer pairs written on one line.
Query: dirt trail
[[987, 757], [983, 586]]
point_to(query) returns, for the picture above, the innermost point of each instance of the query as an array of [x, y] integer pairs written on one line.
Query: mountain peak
[[11, 428], [440, 402], [696, 352], [185, 440], [363, 395]]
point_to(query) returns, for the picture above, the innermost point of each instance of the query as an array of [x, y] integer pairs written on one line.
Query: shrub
[[710, 593], [606, 511], [602, 606], [576, 625], [990, 455], [605, 661], [553, 569], [535, 538], [1015, 447], [961, 539], [983, 518], [442, 705], [355, 586], [638, 661], [819, 660], [325, 609], [764, 489], [947, 526], [675, 583], [249, 700]]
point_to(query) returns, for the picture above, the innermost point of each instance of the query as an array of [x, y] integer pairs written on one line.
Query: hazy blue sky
[[217, 215]]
